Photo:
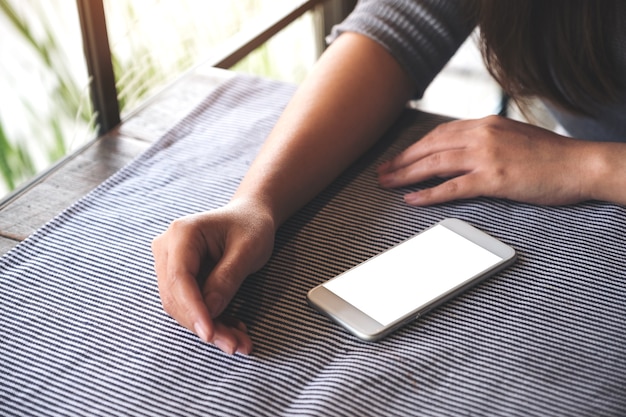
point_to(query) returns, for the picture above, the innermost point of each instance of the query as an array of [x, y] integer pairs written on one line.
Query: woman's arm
[[355, 92]]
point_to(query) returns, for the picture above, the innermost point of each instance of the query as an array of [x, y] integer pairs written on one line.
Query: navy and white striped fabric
[[84, 334]]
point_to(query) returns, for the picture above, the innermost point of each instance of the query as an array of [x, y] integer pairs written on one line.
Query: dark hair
[[558, 50]]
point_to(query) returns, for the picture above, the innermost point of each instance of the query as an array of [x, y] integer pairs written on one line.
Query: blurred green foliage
[[17, 161], [144, 61]]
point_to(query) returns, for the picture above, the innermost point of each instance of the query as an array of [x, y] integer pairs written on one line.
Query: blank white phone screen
[[409, 275]]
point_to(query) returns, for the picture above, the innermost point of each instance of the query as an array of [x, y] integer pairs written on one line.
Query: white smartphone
[[405, 282]]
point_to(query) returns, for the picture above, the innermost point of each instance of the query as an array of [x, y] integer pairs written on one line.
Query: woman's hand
[[494, 157], [201, 261]]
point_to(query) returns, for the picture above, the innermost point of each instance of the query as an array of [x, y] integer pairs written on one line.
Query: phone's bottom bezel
[[351, 318]]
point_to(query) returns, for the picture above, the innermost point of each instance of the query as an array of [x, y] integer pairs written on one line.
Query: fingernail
[[224, 346], [201, 331], [215, 304], [383, 167], [244, 351], [413, 199]]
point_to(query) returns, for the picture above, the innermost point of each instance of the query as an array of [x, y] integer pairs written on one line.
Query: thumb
[[223, 282]]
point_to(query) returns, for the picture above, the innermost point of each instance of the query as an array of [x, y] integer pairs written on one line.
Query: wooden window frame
[[98, 54]]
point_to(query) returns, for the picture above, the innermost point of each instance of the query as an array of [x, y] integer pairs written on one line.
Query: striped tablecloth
[[83, 332]]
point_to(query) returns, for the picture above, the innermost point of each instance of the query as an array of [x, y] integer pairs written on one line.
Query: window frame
[[100, 67]]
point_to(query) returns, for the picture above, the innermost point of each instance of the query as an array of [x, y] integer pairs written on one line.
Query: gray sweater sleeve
[[421, 34]]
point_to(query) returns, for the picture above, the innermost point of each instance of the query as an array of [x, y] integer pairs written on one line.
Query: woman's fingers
[[231, 336], [463, 187], [445, 164], [445, 137], [201, 261], [492, 157], [177, 266]]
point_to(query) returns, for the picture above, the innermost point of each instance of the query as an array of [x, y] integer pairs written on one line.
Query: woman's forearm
[[354, 93]]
